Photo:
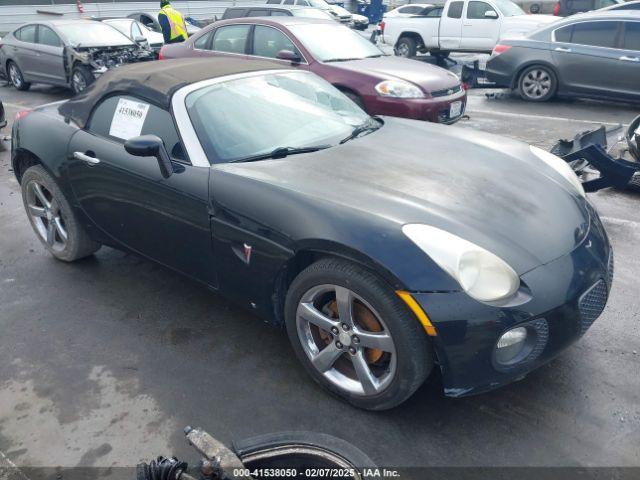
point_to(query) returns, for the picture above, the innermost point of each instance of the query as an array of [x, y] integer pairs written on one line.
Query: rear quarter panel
[[45, 135]]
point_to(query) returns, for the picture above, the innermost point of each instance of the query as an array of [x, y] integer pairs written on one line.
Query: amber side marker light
[[417, 310]]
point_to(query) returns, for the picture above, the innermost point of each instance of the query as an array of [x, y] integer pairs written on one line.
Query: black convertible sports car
[[385, 246]]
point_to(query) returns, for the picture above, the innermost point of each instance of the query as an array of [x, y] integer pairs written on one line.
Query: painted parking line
[[541, 117], [621, 221]]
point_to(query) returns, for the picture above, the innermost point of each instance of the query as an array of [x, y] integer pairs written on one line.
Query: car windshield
[[334, 43], [508, 8], [311, 13], [319, 4], [256, 115], [93, 34], [123, 26]]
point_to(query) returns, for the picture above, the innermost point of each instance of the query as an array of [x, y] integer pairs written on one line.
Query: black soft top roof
[[156, 81]]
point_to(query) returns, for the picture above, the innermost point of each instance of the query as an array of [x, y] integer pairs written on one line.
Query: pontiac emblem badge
[[247, 253]]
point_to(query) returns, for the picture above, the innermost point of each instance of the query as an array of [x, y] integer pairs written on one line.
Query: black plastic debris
[[589, 156], [474, 77]]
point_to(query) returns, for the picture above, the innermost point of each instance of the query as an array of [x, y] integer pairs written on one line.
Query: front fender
[[277, 224]]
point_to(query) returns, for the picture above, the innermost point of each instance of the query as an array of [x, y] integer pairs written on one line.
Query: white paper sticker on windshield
[[128, 119]]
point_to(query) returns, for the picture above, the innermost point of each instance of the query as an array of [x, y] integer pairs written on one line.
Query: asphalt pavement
[[102, 362]]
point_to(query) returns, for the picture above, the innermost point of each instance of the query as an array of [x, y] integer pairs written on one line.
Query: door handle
[[86, 158], [562, 49], [624, 58]]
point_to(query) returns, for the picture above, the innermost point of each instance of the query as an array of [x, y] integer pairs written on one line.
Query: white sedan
[[136, 30]]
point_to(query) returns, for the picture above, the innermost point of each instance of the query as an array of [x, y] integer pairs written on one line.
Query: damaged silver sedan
[[71, 53]]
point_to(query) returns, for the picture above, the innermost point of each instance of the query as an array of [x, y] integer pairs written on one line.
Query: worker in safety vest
[[172, 23]]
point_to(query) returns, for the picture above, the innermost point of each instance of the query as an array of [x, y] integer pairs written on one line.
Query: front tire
[[16, 77], [81, 78], [406, 47], [537, 84], [355, 336], [52, 218]]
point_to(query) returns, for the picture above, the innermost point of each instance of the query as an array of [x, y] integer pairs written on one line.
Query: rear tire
[[52, 218], [406, 47], [537, 83], [16, 78], [81, 78], [342, 358]]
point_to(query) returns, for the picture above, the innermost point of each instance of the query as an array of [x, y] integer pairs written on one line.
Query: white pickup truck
[[459, 26]]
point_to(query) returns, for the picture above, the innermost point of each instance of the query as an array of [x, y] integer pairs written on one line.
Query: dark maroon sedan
[[382, 85]]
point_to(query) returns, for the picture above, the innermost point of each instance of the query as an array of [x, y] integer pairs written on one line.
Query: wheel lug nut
[[352, 350], [339, 344], [334, 330], [345, 327]]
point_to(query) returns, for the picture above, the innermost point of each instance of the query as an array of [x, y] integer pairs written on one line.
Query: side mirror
[[288, 55], [491, 14], [150, 146], [140, 40]]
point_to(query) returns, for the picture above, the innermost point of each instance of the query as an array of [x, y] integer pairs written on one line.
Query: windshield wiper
[[368, 126], [281, 152]]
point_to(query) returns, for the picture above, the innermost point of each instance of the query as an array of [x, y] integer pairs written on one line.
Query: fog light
[[510, 346], [517, 335]]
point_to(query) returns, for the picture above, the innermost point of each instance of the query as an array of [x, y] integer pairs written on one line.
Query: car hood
[[428, 77], [487, 189], [527, 22]]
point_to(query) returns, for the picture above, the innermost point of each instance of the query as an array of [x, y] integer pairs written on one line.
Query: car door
[[25, 52], [51, 56], [450, 29], [628, 71], [480, 26], [586, 56], [127, 198], [267, 41]]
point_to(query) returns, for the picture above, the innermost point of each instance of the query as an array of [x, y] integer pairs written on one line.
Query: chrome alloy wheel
[[78, 81], [14, 75], [46, 216], [346, 340], [536, 83], [402, 50]]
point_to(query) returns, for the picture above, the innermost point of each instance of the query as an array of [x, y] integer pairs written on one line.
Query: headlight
[[398, 89], [480, 273], [560, 166]]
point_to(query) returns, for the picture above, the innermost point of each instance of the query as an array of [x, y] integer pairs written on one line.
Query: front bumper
[[433, 109], [568, 294]]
